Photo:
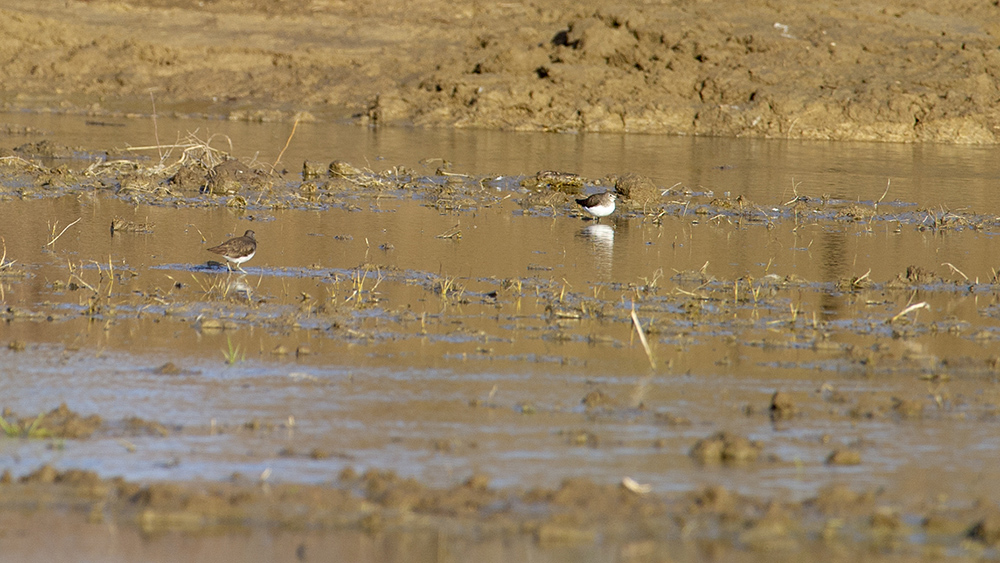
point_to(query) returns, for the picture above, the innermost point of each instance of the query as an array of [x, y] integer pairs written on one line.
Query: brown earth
[[923, 71], [576, 513]]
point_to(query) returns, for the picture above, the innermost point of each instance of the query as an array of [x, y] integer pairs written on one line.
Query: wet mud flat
[[417, 353]]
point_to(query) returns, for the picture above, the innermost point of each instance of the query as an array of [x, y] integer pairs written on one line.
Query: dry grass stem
[[156, 131], [287, 142], [3, 259], [21, 161], [452, 233], [193, 151], [51, 242], [642, 339], [956, 270], [910, 309]]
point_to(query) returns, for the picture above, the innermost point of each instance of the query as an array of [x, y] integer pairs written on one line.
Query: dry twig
[[642, 338], [51, 242]]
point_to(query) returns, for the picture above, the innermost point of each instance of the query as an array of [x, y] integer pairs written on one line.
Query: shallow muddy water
[[768, 172], [394, 374], [442, 329]]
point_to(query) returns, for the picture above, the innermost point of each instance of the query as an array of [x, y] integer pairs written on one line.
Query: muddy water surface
[[771, 172], [451, 324]]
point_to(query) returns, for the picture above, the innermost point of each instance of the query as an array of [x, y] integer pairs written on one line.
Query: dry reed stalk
[[642, 338], [51, 242], [295, 126]]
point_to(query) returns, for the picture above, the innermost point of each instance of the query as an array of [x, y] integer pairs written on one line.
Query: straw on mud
[[3, 259], [83, 283], [911, 308], [642, 338], [156, 131], [21, 161], [795, 193], [885, 193], [453, 233], [666, 191], [956, 270], [111, 274], [634, 486], [51, 242]]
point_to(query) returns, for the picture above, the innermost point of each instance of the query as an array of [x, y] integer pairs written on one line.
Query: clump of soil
[[121, 225], [232, 176], [339, 168], [46, 149], [558, 181], [725, 448], [914, 275], [638, 189], [782, 406], [63, 423], [191, 177], [597, 399], [843, 456], [60, 422], [47, 474]]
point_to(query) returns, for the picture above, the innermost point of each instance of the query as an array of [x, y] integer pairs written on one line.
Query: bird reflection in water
[[603, 239], [240, 287]]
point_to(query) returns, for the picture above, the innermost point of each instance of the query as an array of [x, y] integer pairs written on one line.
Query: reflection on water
[[602, 239], [240, 287]]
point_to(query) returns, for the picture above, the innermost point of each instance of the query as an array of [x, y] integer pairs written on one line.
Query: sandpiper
[[237, 250], [599, 205]]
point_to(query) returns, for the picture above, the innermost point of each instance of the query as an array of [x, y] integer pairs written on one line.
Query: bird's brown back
[[235, 247]]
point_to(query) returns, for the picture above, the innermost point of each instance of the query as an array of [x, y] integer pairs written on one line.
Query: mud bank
[[924, 72], [564, 523]]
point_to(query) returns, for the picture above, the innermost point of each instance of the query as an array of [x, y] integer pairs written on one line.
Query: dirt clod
[[725, 448], [782, 406], [168, 368], [557, 181], [986, 530], [843, 456], [638, 189]]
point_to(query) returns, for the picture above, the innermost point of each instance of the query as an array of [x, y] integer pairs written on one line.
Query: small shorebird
[[237, 250], [599, 205]]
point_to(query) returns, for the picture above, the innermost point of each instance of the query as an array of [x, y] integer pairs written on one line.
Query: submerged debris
[[119, 225], [557, 181], [725, 448], [782, 406]]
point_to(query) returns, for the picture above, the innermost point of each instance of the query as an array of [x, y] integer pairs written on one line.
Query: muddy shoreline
[[926, 72], [578, 513]]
